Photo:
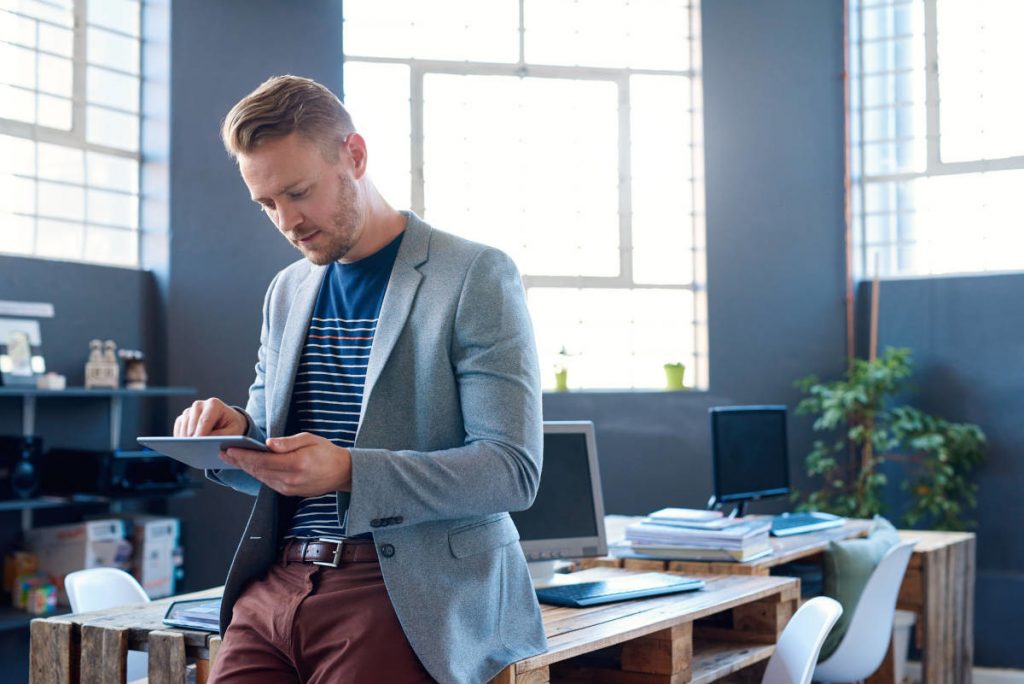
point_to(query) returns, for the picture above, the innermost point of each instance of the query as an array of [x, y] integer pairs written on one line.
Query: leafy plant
[[865, 430]]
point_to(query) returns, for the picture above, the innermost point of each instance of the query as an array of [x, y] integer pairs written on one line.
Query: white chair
[[866, 641], [798, 647], [99, 588]]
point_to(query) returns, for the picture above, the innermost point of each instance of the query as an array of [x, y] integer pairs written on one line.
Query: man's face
[[315, 203]]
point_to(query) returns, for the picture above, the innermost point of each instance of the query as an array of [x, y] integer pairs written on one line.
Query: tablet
[[201, 452]]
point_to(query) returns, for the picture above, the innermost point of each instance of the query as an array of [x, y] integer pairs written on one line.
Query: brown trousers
[[317, 625]]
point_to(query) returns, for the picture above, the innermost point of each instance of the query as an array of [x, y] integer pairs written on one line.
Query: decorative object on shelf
[[674, 376], [562, 371], [101, 370], [868, 427], [134, 368], [51, 381], [20, 355]]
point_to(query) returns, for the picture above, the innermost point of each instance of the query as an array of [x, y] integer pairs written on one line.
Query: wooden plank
[[53, 652], [713, 661], [669, 651], [167, 658], [104, 654]]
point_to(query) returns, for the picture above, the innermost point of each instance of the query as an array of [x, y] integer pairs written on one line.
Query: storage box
[[63, 549], [156, 557]]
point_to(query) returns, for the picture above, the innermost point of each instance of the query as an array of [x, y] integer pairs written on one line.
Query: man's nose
[[288, 216]]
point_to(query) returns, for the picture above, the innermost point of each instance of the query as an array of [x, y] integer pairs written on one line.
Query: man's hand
[[210, 417], [299, 465]]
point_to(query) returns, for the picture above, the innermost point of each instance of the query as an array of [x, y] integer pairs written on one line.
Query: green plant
[[865, 430]]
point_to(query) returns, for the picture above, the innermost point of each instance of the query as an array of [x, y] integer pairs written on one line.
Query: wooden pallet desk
[[93, 647], [703, 636], [938, 586]]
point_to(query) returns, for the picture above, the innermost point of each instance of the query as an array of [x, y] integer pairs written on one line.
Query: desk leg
[[53, 653], [167, 658]]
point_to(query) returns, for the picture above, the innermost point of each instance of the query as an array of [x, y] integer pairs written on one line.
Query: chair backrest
[[99, 588], [797, 650], [863, 648]]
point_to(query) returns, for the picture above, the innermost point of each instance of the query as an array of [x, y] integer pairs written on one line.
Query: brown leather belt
[[329, 552]]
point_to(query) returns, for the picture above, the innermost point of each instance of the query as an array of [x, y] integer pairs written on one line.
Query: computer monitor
[[748, 453], [566, 519]]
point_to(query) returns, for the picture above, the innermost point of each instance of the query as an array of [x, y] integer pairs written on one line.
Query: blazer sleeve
[[498, 466], [255, 409]]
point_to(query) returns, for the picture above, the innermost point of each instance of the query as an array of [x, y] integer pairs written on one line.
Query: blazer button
[[376, 522], [387, 550]]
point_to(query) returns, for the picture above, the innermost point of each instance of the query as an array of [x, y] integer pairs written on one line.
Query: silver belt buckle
[[333, 563]]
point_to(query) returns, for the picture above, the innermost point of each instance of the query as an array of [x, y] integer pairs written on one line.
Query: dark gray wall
[[223, 251], [967, 334]]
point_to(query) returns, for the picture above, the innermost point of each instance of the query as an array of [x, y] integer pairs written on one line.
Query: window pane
[[61, 201], [377, 97], [113, 50], [662, 189], [120, 15], [57, 162], [17, 233], [113, 208], [54, 112], [980, 54], [545, 189], [112, 89], [608, 33], [115, 173], [17, 65], [111, 246], [59, 239], [105, 127], [55, 75], [441, 29], [614, 337]]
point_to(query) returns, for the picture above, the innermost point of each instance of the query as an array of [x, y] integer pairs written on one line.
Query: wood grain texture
[[104, 654], [53, 652], [167, 658]]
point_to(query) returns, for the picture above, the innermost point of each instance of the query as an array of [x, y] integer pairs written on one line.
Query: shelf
[[81, 499], [12, 618], [79, 392]]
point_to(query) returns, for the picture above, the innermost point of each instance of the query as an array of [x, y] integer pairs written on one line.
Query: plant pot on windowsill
[[674, 376]]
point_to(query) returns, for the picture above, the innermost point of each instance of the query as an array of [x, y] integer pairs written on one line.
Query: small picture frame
[[21, 358]]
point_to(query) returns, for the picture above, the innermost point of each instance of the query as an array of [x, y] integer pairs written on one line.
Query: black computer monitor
[[748, 453], [566, 519]]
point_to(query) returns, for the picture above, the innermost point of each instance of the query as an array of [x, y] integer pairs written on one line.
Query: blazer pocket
[[484, 536]]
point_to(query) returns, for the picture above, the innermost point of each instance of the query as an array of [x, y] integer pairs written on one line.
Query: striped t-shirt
[[332, 371]]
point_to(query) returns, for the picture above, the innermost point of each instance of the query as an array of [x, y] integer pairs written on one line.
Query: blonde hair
[[282, 105]]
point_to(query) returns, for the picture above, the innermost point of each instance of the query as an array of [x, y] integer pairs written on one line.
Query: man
[[398, 391]]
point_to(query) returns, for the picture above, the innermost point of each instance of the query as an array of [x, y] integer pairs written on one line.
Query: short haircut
[[283, 105]]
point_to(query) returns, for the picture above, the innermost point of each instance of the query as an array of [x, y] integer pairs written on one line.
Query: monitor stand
[[543, 574]]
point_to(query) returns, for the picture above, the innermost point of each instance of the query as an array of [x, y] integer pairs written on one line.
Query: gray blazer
[[449, 440]]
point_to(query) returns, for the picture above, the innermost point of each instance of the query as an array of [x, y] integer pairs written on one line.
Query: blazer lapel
[[401, 292], [292, 341]]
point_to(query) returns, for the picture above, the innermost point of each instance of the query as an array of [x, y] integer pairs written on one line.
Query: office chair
[[797, 650], [99, 588], [863, 648]]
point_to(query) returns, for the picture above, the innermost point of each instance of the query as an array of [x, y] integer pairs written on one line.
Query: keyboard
[[800, 523], [616, 589]]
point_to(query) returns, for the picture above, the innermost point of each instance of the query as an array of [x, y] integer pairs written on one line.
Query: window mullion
[[416, 73]]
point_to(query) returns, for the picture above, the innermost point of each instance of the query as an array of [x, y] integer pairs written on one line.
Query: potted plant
[[674, 376], [866, 427]]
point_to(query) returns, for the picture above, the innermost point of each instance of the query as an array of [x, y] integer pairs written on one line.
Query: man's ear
[[355, 147]]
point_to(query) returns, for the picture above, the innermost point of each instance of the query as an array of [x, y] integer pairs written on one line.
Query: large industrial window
[[937, 142], [69, 130], [567, 134]]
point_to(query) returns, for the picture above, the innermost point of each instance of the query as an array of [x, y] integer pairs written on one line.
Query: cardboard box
[[156, 557], [63, 549]]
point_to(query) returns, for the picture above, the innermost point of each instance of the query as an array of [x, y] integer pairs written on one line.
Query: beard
[[346, 226]]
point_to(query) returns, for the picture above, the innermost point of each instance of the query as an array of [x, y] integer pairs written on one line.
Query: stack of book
[[691, 534]]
